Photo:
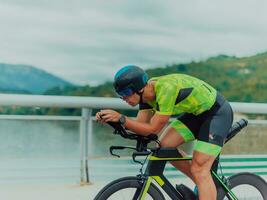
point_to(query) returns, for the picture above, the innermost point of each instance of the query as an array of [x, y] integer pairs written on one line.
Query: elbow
[[155, 130]]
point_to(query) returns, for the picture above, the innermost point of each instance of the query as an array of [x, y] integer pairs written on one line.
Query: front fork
[[145, 187], [146, 183]]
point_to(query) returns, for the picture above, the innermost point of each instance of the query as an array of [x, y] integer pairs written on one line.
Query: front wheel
[[128, 188], [245, 186]]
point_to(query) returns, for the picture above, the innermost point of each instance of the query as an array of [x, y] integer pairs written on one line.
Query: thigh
[[180, 131], [171, 138], [214, 130], [216, 127], [192, 123]]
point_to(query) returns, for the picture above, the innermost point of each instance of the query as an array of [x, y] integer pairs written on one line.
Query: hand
[[98, 117], [107, 116]]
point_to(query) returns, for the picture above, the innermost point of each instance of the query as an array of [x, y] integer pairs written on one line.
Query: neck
[[149, 92]]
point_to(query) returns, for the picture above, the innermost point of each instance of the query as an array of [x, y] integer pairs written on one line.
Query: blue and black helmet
[[129, 79]]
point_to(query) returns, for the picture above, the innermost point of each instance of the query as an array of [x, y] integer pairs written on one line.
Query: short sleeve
[[166, 94]]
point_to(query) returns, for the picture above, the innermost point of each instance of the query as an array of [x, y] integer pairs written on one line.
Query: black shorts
[[210, 127]]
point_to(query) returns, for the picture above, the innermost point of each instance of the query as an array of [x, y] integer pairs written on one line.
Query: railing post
[[88, 142], [85, 122]]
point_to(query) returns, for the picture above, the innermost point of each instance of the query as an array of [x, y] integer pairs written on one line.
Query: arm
[[111, 115], [143, 125], [165, 98], [144, 115], [155, 125]]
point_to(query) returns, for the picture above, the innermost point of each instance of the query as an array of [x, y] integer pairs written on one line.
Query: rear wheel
[[128, 188], [245, 186]]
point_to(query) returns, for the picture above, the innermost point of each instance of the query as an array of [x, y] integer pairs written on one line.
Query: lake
[[49, 151]]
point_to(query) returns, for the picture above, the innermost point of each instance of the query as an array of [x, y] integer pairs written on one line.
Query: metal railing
[[86, 104]]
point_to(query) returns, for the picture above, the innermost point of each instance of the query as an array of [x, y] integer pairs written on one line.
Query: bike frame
[[158, 157], [154, 171]]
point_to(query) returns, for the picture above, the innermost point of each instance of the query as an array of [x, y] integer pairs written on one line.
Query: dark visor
[[125, 92]]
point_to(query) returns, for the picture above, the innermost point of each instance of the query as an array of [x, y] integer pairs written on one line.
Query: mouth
[[130, 103]]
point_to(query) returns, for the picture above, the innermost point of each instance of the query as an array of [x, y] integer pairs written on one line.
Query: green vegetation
[[238, 79]]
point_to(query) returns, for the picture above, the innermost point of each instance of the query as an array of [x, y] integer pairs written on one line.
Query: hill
[[238, 79], [27, 79]]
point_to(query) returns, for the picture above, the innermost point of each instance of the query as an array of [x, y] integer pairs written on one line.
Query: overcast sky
[[87, 41]]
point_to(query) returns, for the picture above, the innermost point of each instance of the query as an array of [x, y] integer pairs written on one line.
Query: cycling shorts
[[209, 128]]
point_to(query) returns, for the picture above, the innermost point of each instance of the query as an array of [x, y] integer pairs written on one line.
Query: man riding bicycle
[[204, 115]]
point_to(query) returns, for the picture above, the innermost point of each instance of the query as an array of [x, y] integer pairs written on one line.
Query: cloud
[[87, 41]]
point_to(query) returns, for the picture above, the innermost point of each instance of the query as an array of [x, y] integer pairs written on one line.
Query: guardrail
[[230, 164], [87, 104]]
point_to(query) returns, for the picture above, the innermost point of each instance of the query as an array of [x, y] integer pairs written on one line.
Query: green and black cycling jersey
[[204, 114], [180, 93]]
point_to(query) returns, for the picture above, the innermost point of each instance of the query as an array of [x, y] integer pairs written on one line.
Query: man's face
[[132, 99]]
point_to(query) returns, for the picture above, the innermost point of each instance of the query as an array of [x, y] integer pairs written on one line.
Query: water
[[49, 151], [39, 151], [38, 139]]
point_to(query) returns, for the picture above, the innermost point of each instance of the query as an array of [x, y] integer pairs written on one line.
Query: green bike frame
[[155, 167]]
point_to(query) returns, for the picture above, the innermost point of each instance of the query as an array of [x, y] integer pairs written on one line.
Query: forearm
[[142, 128], [144, 125]]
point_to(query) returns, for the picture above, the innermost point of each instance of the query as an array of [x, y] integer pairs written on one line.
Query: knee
[[200, 173]]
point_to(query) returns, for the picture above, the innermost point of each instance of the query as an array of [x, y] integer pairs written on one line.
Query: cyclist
[[203, 114]]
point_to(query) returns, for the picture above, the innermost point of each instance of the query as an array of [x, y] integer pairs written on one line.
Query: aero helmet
[[130, 79]]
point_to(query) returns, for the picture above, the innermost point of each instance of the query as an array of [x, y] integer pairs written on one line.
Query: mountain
[[27, 79], [238, 79]]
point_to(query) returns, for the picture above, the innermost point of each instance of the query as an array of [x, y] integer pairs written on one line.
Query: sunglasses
[[125, 92]]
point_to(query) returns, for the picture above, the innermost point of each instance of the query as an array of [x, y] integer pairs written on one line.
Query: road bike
[[142, 187]]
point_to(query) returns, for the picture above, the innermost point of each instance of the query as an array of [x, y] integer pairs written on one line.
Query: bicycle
[[141, 186]]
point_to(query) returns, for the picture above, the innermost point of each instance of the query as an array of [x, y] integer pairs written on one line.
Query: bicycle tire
[[124, 183], [245, 178]]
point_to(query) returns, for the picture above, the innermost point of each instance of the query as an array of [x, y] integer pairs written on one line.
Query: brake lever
[[112, 148]]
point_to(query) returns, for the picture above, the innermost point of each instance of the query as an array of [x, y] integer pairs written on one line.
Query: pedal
[[187, 193]]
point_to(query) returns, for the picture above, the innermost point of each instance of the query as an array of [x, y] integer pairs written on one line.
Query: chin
[[131, 104]]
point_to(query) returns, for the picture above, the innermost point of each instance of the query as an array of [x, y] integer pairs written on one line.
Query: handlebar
[[119, 129], [112, 148], [141, 141]]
